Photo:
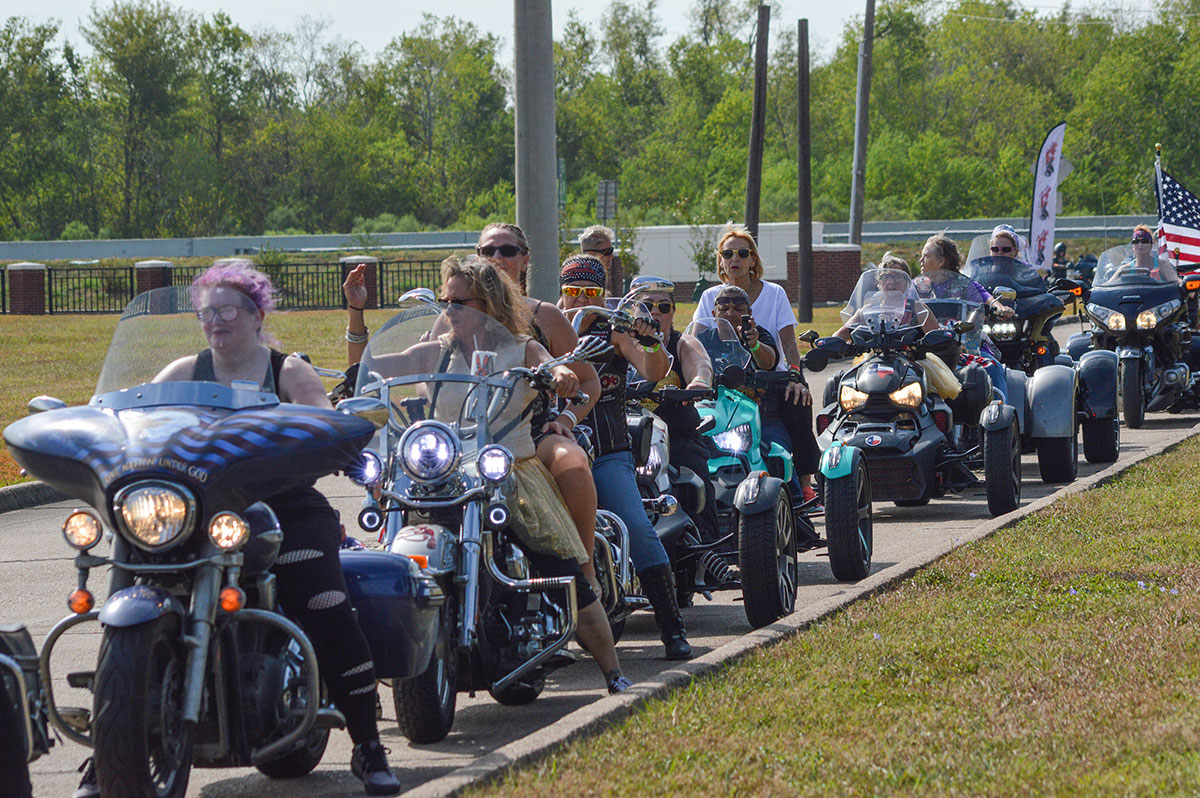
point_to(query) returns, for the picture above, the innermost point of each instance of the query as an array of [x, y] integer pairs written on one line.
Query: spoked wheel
[[1129, 382], [142, 747], [292, 701], [849, 526], [425, 704], [1101, 439], [1002, 469], [767, 558]]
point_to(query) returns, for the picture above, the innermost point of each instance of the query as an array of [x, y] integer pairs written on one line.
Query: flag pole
[[1159, 196]]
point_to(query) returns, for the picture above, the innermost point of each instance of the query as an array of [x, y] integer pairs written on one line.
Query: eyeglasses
[[457, 301], [1004, 250], [724, 301], [1141, 240], [226, 312], [605, 252], [661, 307], [505, 250], [728, 254], [589, 291]]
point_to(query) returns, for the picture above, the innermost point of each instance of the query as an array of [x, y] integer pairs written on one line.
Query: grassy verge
[[1058, 657]]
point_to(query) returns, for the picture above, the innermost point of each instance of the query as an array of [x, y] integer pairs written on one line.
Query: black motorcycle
[[886, 406], [1141, 314], [24, 725], [197, 666]]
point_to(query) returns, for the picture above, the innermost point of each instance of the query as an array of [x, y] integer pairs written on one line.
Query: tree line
[[179, 124]]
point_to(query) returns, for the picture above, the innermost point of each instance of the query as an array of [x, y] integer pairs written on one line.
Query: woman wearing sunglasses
[[582, 280], [1144, 260], [739, 264]]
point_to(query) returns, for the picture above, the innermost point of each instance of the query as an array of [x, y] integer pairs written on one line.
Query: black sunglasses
[[605, 252], [1005, 250], [741, 253], [730, 300], [505, 250], [457, 301], [1141, 240]]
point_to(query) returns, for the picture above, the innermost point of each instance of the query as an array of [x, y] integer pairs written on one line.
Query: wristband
[[351, 307], [574, 420], [647, 340], [657, 346], [754, 348], [357, 338], [794, 368]]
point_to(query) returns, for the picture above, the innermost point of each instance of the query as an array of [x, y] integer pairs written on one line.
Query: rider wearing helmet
[[1060, 262]]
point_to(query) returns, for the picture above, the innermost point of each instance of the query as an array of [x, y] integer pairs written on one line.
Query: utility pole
[[536, 158], [861, 123], [758, 121], [804, 258]]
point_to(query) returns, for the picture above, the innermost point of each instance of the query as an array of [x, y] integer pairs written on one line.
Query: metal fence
[[89, 289], [3, 290], [396, 277]]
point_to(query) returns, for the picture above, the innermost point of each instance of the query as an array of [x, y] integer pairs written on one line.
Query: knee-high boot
[[660, 590]]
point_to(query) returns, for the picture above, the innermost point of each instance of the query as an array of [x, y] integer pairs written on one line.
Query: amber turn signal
[[1041, 350], [232, 599], [81, 601], [420, 559], [1192, 285]]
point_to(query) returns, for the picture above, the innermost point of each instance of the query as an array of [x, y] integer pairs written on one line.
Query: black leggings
[[691, 452], [312, 592]]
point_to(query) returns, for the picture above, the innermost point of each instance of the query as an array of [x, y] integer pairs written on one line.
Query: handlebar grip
[[580, 398]]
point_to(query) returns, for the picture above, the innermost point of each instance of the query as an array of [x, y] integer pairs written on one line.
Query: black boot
[[659, 588], [369, 763]]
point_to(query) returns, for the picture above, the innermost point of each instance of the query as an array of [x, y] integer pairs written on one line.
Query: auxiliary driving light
[[368, 470], [370, 519], [228, 531], [494, 463], [82, 530]]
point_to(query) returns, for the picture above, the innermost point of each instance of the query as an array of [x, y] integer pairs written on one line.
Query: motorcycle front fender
[[1052, 402], [757, 493], [140, 604], [837, 461], [997, 416], [1098, 384], [1128, 352]]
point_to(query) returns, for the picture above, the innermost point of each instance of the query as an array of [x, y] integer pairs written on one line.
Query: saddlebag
[[976, 394], [397, 608]]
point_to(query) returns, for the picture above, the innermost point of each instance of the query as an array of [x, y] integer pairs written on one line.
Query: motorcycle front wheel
[[767, 561], [1129, 382], [142, 748], [425, 704]]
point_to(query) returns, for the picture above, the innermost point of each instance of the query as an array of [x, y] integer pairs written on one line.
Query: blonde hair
[[739, 231], [595, 234], [500, 296]]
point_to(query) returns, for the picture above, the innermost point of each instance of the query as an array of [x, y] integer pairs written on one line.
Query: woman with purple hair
[[232, 299]]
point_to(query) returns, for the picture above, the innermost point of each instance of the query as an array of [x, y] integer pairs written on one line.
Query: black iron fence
[[298, 286], [3, 290], [89, 289]]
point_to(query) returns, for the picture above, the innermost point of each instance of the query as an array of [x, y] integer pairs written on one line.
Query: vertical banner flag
[[1045, 199], [1178, 222]]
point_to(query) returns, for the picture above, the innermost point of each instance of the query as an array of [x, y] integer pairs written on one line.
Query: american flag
[[1178, 222]]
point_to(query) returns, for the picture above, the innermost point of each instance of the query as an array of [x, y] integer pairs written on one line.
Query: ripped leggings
[[312, 592]]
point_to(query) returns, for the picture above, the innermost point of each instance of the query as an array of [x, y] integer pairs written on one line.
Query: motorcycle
[[444, 502], [1142, 318], [1051, 425], [24, 725], [197, 665], [886, 407]]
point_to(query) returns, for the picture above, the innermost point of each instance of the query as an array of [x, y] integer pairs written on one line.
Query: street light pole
[[861, 124]]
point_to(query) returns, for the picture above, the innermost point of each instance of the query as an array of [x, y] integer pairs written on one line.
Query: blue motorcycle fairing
[[1098, 384], [139, 604], [1078, 344]]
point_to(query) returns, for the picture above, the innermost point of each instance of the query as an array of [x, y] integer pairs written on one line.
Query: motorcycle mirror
[[832, 346], [935, 338], [816, 359], [422, 295], [365, 407], [962, 327], [1003, 293], [40, 404], [732, 377], [646, 284], [808, 336]]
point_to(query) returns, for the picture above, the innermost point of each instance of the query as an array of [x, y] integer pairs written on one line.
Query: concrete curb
[[28, 494], [607, 711]]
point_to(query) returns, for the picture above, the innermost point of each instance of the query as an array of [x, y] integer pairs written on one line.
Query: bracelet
[[754, 348], [357, 338], [351, 307], [794, 368], [657, 346], [574, 420]]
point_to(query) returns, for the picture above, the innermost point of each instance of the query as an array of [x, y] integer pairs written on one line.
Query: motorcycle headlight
[[1003, 329], [429, 451], [1115, 321], [1147, 320], [369, 469], [495, 463], [82, 530], [154, 514], [228, 531], [908, 396], [734, 441], [851, 398], [654, 462]]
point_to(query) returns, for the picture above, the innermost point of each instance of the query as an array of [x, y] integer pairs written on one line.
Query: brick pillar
[[349, 262], [836, 268], [151, 274], [27, 289]]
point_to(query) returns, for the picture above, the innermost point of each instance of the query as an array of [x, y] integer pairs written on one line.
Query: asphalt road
[[36, 575]]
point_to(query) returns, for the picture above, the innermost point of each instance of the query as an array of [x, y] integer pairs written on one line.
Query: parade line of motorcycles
[[193, 637]]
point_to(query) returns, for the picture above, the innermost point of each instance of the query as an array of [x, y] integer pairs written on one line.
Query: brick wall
[[151, 274], [27, 289], [835, 272]]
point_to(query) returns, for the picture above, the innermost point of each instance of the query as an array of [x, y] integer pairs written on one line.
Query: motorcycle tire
[[1058, 458], [768, 562], [300, 762], [1133, 402], [14, 770], [141, 750], [849, 526], [1002, 469], [1101, 440], [425, 704]]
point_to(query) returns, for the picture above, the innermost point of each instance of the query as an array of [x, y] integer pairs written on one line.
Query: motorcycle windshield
[[1117, 266], [157, 328], [952, 297], [721, 341], [995, 269], [884, 298], [447, 363]]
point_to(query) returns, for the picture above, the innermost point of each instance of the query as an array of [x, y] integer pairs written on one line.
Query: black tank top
[[203, 370], [605, 424], [681, 420]]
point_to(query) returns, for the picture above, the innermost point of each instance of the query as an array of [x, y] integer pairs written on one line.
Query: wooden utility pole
[[804, 257], [861, 124], [758, 121]]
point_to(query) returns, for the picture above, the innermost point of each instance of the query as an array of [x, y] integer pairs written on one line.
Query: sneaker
[[618, 684], [88, 788], [369, 763], [811, 501]]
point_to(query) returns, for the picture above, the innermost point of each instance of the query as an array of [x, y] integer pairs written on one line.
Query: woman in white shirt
[[738, 263]]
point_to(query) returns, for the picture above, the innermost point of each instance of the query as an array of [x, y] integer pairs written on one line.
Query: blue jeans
[[995, 370], [617, 491], [775, 430]]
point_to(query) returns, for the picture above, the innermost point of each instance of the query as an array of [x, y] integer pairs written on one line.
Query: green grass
[[1057, 657]]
